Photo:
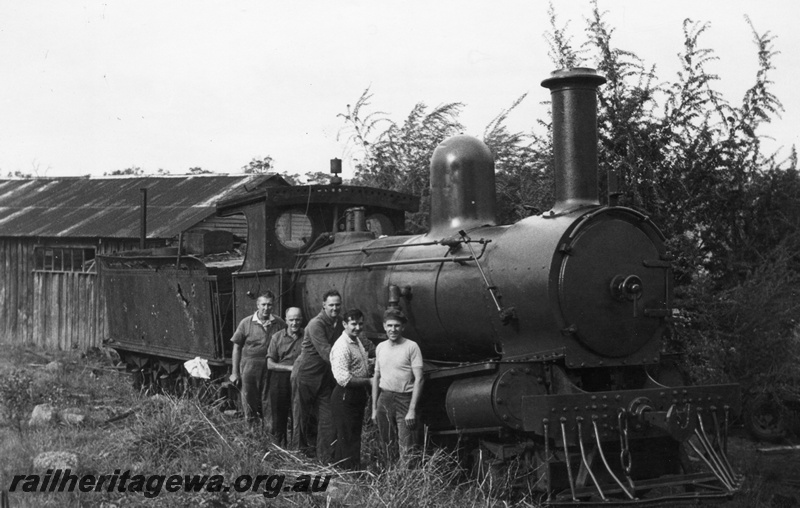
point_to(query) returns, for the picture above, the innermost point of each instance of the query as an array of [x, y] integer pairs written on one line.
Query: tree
[[20, 174], [318, 178], [133, 170], [398, 156], [261, 165], [524, 175]]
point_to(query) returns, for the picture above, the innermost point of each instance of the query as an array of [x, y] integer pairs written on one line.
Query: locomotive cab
[[286, 224]]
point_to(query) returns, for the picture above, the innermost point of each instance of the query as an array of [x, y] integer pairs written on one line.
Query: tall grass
[[187, 436]]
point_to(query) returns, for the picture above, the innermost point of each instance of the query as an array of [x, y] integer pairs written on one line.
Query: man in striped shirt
[[351, 369]]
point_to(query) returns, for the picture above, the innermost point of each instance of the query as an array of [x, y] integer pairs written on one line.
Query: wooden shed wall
[[16, 291], [236, 224], [55, 310], [68, 311]]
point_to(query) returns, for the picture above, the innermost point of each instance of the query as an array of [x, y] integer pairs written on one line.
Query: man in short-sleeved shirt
[[351, 369], [284, 349], [249, 362], [397, 387]]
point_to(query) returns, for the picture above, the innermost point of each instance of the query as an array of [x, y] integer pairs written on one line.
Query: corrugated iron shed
[[110, 207]]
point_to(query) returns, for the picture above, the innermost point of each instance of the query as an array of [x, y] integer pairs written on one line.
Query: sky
[[90, 87]]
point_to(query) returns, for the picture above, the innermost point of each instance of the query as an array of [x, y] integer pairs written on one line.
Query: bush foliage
[[682, 153]]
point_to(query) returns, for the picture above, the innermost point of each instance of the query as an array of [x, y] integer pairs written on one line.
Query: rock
[[42, 414], [73, 417], [54, 366], [230, 412], [56, 460]]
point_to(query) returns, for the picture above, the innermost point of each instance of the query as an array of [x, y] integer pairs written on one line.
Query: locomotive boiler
[[542, 339]]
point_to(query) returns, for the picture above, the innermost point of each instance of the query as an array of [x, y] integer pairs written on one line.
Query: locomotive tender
[[542, 339]]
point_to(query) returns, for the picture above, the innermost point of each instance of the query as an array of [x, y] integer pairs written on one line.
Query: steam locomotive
[[542, 339]]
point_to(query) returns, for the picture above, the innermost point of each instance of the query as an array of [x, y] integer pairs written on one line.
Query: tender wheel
[[765, 421]]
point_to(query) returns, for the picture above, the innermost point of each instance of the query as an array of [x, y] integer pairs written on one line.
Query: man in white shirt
[[397, 387], [350, 366]]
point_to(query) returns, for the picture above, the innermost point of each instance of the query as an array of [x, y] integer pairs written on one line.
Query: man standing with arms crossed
[[281, 355], [249, 362], [350, 365], [312, 381], [397, 387]]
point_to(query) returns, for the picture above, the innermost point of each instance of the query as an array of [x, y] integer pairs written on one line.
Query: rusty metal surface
[[110, 207], [156, 309]]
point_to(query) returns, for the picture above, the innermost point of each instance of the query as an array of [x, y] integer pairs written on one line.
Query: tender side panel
[[162, 312]]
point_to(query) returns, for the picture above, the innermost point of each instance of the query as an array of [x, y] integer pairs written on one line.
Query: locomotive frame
[[542, 338]]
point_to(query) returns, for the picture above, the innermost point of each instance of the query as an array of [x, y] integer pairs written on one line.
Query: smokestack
[[574, 101], [462, 186]]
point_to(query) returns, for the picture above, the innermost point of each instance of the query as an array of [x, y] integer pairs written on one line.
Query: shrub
[[748, 333], [16, 394]]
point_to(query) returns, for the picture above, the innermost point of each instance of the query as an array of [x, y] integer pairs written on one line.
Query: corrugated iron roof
[[110, 207]]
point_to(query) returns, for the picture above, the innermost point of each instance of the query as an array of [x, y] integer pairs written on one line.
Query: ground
[[127, 430], [772, 478]]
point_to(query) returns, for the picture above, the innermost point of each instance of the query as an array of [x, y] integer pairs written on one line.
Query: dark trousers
[[347, 407], [396, 437], [311, 412], [280, 395], [255, 387]]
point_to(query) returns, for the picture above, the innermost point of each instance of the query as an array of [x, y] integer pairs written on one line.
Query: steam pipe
[[143, 219], [574, 101]]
